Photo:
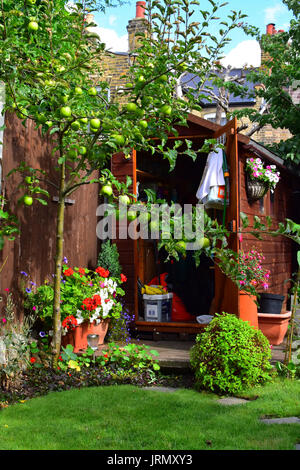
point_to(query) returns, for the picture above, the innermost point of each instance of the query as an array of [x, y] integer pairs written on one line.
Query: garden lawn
[[126, 418]]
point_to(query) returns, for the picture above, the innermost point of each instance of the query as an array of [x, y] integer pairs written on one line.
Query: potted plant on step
[[89, 299]]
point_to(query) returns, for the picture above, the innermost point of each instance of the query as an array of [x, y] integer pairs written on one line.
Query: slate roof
[[191, 80]]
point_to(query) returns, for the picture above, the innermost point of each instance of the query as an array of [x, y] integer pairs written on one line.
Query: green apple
[[166, 109], [75, 125], [84, 120], [205, 242], [95, 123], [131, 215], [78, 90], [181, 246], [28, 180], [82, 150], [72, 153], [92, 91], [118, 138], [131, 107], [163, 78], [33, 26], [141, 79], [124, 199], [30, 2], [41, 118], [154, 226], [49, 123], [66, 112], [144, 217], [106, 190], [64, 99], [143, 124], [27, 200]]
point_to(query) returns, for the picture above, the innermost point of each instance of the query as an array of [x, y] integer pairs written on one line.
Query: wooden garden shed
[[214, 292]]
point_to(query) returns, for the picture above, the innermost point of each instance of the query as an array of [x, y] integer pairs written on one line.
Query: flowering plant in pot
[[259, 178], [88, 299], [245, 269]]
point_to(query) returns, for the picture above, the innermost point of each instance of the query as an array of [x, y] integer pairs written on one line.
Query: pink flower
[[6, 290], [4, 320], [265, 286], [34, 308]]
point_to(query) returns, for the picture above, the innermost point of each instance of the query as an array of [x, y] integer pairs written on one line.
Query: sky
[[240, 51]]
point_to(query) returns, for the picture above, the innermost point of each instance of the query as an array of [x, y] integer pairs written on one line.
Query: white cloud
[[271, 13], [113, 42], [112, 19], [245, 53]]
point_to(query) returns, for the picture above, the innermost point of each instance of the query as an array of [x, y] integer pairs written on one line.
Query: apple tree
[[49, 58]]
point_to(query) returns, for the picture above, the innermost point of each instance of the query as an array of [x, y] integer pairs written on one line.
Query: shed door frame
[[226, 292]]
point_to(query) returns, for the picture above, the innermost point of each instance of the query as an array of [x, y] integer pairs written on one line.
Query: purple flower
[[32, 283], [24, 274], [65, 260], [28, 290], [42, 334]]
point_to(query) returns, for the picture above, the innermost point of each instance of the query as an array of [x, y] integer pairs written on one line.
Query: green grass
[[130, 418]]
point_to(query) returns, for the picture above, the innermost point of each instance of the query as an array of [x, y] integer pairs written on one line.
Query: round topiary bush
[[230, 355]]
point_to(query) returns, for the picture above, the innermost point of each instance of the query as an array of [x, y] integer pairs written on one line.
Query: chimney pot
[[140, 9], [271, 28]]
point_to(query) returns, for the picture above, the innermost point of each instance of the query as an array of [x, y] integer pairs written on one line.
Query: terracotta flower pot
[[248, 308], [274, 326], [78, 336]]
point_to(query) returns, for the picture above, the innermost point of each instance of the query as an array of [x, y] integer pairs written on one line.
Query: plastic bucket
[[270, 303]]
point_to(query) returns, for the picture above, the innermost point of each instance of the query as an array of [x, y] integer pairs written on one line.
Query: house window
[[212, 118]]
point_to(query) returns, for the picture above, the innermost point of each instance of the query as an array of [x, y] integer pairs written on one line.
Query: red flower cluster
[[68, 272], [102, 272], [81, 271], [91, 303], [123, 278], [69, 322]]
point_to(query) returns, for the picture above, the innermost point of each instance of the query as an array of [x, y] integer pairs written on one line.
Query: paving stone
[[291, 420], [232, 401]]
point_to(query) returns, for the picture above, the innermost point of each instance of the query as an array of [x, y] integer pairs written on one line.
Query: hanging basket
[[255, 189]]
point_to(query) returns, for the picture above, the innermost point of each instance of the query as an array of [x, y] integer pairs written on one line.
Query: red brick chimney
[[271, 29], [140, 9], [137, 25]]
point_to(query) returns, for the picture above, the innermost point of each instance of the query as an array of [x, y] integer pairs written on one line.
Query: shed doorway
[[193, 287]]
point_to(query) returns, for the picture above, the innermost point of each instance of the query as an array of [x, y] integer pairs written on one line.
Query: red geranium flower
[[68, 272], [69, 322], [81, 271], [32, 360], [102, 272], [123, 278]]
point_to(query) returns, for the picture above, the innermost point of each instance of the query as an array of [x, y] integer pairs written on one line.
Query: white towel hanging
[[213, 174]]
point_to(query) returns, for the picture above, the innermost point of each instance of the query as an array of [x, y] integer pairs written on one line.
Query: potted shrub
[[260, 179], [89, 299]]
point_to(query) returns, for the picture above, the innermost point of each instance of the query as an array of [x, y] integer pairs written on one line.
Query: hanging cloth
[[213, 189], [212, 176]]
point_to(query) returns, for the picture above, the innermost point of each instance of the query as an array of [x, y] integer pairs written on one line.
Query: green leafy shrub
[[108, 258], [230, 355]]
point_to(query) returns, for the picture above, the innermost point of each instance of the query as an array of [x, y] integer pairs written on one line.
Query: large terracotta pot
[[274, 326], [78, 336], [248, 308]]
